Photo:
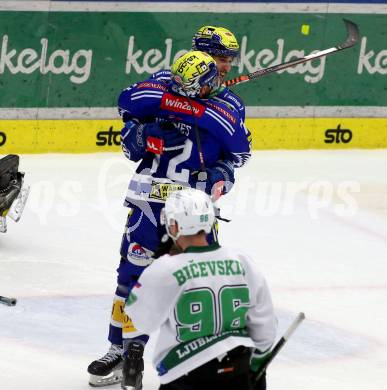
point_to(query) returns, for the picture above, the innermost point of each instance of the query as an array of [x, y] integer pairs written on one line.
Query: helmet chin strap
[[177, 235]]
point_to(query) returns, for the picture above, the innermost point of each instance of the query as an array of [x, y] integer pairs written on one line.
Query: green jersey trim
[[195, 249]]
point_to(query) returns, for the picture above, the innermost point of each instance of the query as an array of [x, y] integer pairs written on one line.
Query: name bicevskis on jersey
[[203, 269]]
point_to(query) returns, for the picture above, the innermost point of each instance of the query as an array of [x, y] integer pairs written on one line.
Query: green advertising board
[[62, 66], [83, 59]]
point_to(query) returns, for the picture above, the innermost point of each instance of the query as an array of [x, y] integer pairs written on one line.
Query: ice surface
[[315, 221]]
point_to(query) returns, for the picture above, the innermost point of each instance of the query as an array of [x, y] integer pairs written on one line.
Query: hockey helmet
[[191, 209], [192, 71], [217, 41]]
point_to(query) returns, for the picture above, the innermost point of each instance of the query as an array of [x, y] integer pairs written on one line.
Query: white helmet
[[191, 209]]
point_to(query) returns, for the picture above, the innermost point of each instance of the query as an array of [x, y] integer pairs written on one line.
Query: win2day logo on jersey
[[182, 105]]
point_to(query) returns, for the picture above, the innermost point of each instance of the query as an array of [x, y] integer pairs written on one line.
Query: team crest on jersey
[[181, 104], [138, 254]]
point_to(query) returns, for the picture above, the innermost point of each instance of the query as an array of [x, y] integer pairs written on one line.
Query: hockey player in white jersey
[[210, 303]]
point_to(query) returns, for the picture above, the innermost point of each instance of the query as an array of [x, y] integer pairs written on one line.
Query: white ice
[[315, 221]]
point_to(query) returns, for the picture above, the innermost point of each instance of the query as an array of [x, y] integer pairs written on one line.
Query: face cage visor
[[211, 79]]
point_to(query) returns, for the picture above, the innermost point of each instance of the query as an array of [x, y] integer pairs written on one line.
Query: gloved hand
[[215, 181], [258, 359], [220, 179], [258, 362], [137, 138], [162, 137]]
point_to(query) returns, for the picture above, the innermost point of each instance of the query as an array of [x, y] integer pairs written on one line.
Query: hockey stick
[[281, 342], [202, 176], [352, 38], [8, 301]]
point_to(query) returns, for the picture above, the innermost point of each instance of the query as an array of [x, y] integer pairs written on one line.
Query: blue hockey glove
[[215, 181], [220, 179], [133, 140], [163, 137], [136, 139]]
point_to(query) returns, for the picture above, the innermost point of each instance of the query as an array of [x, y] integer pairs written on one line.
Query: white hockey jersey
[[205, 302]]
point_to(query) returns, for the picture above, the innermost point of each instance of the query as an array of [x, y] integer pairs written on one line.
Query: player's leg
[[229, 373], [133, 364], [138, 242], [134, 341]]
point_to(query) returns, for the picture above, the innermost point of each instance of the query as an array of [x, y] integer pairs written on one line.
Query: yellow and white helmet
[[192, 71], [217, 41]]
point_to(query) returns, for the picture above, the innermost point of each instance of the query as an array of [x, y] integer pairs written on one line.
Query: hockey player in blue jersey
[[162, 125], [219, 41], [223, 47], [172, 157]]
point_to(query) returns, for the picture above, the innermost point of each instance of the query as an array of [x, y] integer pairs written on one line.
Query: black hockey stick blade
[[351, 40], [352, 35], [8, 301], [281, 342]]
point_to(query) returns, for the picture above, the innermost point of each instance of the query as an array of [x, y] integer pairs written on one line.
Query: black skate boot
[[133, 367], [108, 369]]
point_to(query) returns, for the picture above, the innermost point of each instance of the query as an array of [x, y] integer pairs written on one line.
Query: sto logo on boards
[[109, 137], [338, 135], [3, 138]]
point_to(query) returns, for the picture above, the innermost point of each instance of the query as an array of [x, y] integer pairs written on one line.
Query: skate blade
[[111, 379]]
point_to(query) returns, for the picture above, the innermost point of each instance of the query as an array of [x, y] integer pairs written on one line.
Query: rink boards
[[62, 67], [80, 136]]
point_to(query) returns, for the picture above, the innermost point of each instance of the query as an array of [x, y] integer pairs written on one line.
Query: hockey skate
[[108, 369], [133, 367]]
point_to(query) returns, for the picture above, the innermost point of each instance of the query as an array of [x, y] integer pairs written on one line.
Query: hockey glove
[[220, 179], [133, 140], [258, 362], [136, 139], [163, 137]]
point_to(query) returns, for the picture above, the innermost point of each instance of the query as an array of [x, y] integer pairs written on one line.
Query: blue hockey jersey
[[223, 136]]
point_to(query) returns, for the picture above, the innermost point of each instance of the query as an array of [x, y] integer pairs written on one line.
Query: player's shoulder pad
[[163, 75], [144, 86], [222, 115], [151, 85], [142, 95], [163, 267], [232, 98]]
